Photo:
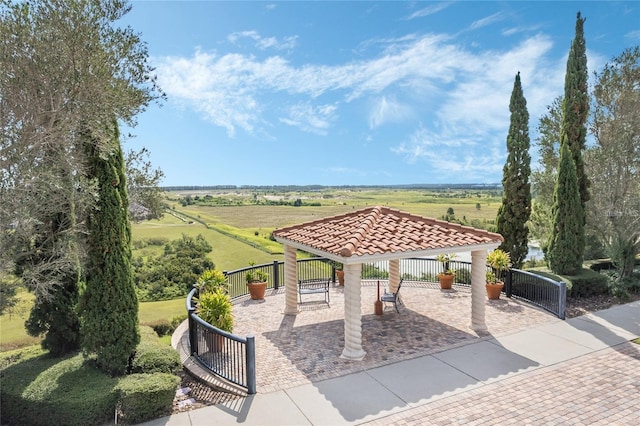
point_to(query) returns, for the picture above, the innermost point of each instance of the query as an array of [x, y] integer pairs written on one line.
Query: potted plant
[[447, 275], [256, 283], [499, 261], [215, 308], [339, 272], [210, 280]]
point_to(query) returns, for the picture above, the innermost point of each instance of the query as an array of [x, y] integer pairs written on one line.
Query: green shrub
[[154, 357], [157, 241], [585, 283], [146, 396], [177, 320], [162, 327], [38, 389]]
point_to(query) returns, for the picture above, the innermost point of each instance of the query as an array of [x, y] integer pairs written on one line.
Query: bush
[[146, 396], [177, 320], [38, 389], [152, 356], [587, 283], [162, 327]]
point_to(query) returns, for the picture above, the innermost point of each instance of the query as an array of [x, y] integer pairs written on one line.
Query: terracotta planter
[[445, 281], [494, 290], [340, 275], [257, 290]]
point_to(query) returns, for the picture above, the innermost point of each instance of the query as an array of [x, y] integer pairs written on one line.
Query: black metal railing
[[541, 291], [233, 357], [228, 356]]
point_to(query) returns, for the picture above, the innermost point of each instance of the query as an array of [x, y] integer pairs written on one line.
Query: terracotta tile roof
[[383, 230]]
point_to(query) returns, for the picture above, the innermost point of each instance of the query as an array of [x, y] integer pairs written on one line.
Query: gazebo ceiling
[[383, 233]]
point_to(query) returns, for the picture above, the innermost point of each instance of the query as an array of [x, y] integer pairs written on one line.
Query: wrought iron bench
[[314, 286]]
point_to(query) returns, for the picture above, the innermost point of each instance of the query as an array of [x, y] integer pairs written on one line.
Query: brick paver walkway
[[602, 388], [295, 350]]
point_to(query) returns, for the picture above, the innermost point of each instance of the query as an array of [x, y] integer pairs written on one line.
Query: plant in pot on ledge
[[447, 275], [215, 308], [499, 261], [256, 283], [339, 272]]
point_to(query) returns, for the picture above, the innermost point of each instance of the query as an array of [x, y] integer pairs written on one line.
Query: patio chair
[[388, 297]]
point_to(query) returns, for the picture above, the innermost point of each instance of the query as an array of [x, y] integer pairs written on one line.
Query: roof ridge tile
[[365, 227]]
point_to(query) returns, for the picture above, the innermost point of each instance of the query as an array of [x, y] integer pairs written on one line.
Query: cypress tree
[[109, 305], [575, 111], [516, 200], [564, 255]]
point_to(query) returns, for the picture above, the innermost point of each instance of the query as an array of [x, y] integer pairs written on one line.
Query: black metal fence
[[229, 356], [540, 291], [233, 357]]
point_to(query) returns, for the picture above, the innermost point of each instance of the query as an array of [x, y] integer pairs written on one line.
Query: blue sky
[[359, 92]]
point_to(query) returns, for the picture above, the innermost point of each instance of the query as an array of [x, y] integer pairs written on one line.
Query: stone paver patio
[[295, 350]]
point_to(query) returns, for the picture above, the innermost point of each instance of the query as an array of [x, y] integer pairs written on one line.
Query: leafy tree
[[563, 254], [173, 273], [515, 210], [109, 307], [145, 197], [49, 265], [66, 69], [614, 162]]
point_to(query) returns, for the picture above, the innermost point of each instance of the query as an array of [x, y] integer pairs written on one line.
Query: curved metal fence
[[233, 357]]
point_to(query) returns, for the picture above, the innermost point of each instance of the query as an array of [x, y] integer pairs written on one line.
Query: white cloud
[[462, 89], [314, 119], [430, 10], [491, 19], [450, 155], [388, 110], [633, 35], [263, 43]]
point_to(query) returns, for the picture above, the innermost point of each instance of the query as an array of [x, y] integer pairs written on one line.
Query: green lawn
[[13, 334]]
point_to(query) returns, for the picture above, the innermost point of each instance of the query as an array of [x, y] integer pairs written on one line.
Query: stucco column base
[[353, 355]]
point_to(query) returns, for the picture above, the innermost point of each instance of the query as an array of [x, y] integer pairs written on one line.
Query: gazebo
[[382, 234]]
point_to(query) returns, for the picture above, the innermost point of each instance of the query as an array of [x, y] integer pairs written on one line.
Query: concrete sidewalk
[[556, 372]]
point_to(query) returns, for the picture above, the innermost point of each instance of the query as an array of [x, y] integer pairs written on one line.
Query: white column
[[478, 291], [394, 275], [290, 280], [352, 314]]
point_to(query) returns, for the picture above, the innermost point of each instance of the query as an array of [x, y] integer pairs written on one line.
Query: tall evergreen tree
[[563, 254], [66, 66], [575, 111], [516, 200], [109, 308]]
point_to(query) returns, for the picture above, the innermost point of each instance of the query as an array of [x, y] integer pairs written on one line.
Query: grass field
[[13, 334]]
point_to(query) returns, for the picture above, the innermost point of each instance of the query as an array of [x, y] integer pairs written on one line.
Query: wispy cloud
[[491, 19], [388, 110], [310, 118], [263, 43], [633, 35], [461, 96], [429, 10]]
